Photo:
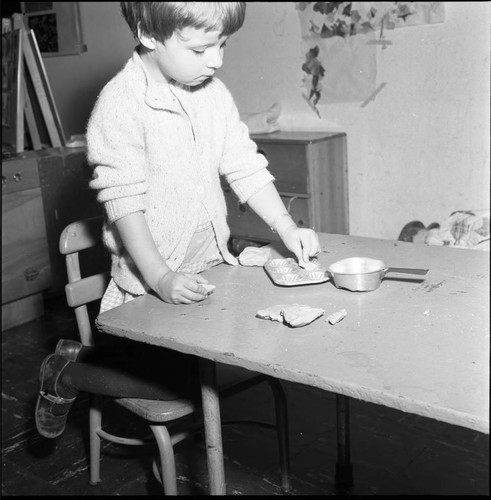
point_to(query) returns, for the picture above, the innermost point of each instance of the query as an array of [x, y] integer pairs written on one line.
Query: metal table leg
[[344, 468], [212, 424]]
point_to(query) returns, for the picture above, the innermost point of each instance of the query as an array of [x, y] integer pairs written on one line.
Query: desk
[[417, 346]]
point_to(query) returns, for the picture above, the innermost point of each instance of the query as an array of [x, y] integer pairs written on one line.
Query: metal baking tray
[[287, 272]]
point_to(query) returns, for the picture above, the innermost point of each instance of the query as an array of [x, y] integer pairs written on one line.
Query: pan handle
[[406, 270]]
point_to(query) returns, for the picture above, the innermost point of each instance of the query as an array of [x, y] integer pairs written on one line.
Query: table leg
[[213, 426], [344, 468]]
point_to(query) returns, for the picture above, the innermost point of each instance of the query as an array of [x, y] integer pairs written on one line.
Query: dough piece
[[208, 288], [311, 265], [294, 315], [255, 256], [337, 316], [301, 315], [274, 313]]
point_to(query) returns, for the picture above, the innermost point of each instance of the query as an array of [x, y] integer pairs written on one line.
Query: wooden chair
[[82, 290]]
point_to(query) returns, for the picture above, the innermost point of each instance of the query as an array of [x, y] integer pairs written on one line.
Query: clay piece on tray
[[287, 272], [311, 265], [294, 315]]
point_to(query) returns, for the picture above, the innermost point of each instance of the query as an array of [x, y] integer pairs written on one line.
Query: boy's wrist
[[282, 222], [158, 277]]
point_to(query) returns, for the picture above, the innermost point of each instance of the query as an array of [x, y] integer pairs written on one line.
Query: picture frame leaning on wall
[[13, 90], [57, 26]]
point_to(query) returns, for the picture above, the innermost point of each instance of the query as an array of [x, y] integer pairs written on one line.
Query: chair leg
[[167, 460], [95, 424], [282, 431]]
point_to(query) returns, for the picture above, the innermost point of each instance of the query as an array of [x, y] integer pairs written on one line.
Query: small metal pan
[[361, 274]]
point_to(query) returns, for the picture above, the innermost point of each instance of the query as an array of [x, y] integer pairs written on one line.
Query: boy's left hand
[[304, 243]]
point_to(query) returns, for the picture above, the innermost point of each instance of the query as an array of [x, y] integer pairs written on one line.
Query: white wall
[[420, 150]]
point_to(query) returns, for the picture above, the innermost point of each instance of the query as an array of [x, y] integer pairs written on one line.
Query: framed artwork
[[12, 90], [57, 27]]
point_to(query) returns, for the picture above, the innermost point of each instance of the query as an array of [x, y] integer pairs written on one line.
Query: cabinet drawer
[[245, 223], [288, 164], [25, 259], [18, 175]]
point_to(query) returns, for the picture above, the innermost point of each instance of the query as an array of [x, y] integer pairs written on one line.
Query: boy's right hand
[[181, 288], [303, 242]]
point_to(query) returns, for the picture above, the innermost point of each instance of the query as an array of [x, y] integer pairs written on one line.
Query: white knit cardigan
[[160, 148]]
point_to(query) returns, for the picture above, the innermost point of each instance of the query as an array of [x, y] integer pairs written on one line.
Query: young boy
[[161, 134]]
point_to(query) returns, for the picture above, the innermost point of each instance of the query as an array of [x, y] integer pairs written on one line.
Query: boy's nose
[[216, 60]]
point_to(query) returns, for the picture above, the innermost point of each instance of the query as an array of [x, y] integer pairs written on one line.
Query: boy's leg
[[111, 371], [135, 370], [114, 381]]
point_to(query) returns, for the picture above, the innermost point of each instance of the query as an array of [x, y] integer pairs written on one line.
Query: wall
[[420, 150], [77, 80]]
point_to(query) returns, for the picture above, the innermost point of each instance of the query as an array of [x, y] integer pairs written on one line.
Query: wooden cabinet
[[26, 268], [310, 169], [42, 192], [64, 176]]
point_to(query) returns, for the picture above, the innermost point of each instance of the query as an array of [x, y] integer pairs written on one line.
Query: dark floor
[[392, 452]]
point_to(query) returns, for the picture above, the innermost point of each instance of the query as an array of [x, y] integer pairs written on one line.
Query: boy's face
[[190, 56]]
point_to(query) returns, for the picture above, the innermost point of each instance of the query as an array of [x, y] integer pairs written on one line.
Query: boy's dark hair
[[161, 19]]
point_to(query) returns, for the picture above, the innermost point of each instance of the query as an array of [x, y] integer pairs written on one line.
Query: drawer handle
[[289, 207], [290, 201], [31, 274], [17, 177]]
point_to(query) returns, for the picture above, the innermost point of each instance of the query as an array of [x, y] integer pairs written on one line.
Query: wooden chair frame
[[160, 415]]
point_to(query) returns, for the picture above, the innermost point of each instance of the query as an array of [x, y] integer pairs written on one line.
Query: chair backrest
[[82, 290]]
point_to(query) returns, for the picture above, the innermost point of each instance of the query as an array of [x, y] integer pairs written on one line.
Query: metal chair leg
[[167, 459], [344, 468], [95, 423], [281, 413]]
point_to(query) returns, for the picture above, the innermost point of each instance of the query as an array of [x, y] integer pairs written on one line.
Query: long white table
[[417, 346]]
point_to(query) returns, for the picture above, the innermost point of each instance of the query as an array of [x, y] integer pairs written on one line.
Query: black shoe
[[51, 409], [68, 348]]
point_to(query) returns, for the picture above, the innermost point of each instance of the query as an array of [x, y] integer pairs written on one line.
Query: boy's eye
[[201, 52]]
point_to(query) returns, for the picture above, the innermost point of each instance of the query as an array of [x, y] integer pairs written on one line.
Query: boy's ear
[[146, 40]]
